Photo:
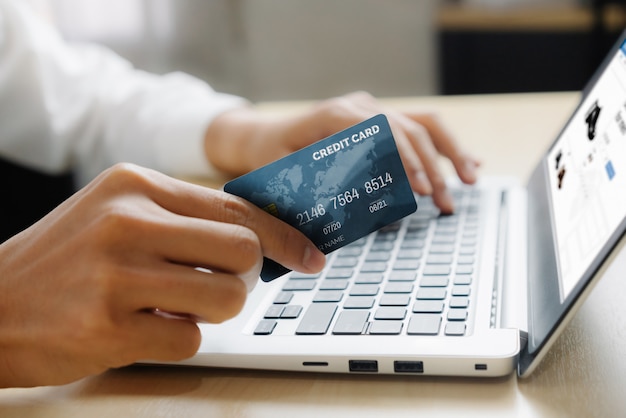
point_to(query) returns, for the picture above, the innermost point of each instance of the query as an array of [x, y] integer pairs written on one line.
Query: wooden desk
[[583, 375]]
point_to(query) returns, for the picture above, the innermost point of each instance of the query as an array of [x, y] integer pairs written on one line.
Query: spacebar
[[317, 319]]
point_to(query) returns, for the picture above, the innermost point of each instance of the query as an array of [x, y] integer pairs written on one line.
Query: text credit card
[[336, 190]]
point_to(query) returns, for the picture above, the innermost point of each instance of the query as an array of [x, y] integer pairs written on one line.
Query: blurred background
[[313, 49], [303, 49]]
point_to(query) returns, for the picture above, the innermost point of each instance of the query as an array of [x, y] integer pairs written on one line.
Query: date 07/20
[[344, 198]]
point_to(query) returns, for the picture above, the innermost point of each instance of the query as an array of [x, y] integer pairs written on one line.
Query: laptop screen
[[587, 173], [576, 206]]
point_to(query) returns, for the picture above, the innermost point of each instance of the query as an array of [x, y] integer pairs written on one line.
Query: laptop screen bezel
[[547, 314]]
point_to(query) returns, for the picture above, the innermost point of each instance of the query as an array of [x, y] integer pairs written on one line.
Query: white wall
[[271, 49]]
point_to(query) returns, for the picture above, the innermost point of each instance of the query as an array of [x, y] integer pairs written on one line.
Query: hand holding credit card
[[334, 191]]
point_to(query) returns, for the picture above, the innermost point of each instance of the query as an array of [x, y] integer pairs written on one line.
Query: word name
[[332, 243]]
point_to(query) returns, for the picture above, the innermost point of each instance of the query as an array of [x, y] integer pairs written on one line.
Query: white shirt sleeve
[[84, 108]]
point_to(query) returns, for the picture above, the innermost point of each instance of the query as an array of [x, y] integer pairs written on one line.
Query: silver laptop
[[482, 292]]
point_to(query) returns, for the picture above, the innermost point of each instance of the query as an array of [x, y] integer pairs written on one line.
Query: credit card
[[335, 191]]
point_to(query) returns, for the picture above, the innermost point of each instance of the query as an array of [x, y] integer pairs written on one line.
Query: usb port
[[400, 366], [370, 366], [480, 366]]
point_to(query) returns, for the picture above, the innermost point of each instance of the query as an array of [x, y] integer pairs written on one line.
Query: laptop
[[483, 292]]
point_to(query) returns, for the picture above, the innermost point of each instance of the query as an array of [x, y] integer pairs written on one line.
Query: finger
[[279, 241], [422, 145], [412, 164], [358, 106], [207, 296], [217, 246], [417, 150], [161, 339], [464, 164]]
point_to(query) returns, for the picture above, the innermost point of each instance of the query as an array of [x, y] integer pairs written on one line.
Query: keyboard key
[[469, 234], [428, 306], [459, 302], [382, 246], [457, 314], [299, 285], [468, 242], [390, 313], [335, 284], [265, 327], [364, 290], [378, 256], [465, 259], [462, 279], [444, 239], [374, 266], [399, 287], [441, 249], [351, 322], [419, 232], [460, 291], [394, 300], [317, 319], [432, 293], [402, 276], [339, 273], [328, 296], [455, 328], [446, 230], [341, 262], [386, 327], [448, 219], [369, 278], [412, 243], [283, 297], [298, 276], [439, 259], [351, 251], [464, 269], [359, 302], [407, 264], [412, 253], [291, 312], [424, 324], [436, 270], [274, 311], [386, 236], [434, 281]]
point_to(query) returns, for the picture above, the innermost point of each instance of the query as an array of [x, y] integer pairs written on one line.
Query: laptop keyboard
[[413, 277]]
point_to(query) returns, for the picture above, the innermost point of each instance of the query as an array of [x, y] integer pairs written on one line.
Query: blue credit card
[[336, 190]]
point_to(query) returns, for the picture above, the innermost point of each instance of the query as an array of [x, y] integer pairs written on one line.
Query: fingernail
[[470, 170], [314, 259], [446, 203]]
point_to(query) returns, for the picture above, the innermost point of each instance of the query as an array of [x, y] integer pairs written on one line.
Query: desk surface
[[583, 375]]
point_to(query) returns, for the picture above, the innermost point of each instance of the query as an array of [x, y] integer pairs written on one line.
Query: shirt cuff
[[179, 145]]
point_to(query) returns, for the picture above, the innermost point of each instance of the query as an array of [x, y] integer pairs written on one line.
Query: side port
[[400, 366], [315, 363], [480, 366], [363, 366]]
